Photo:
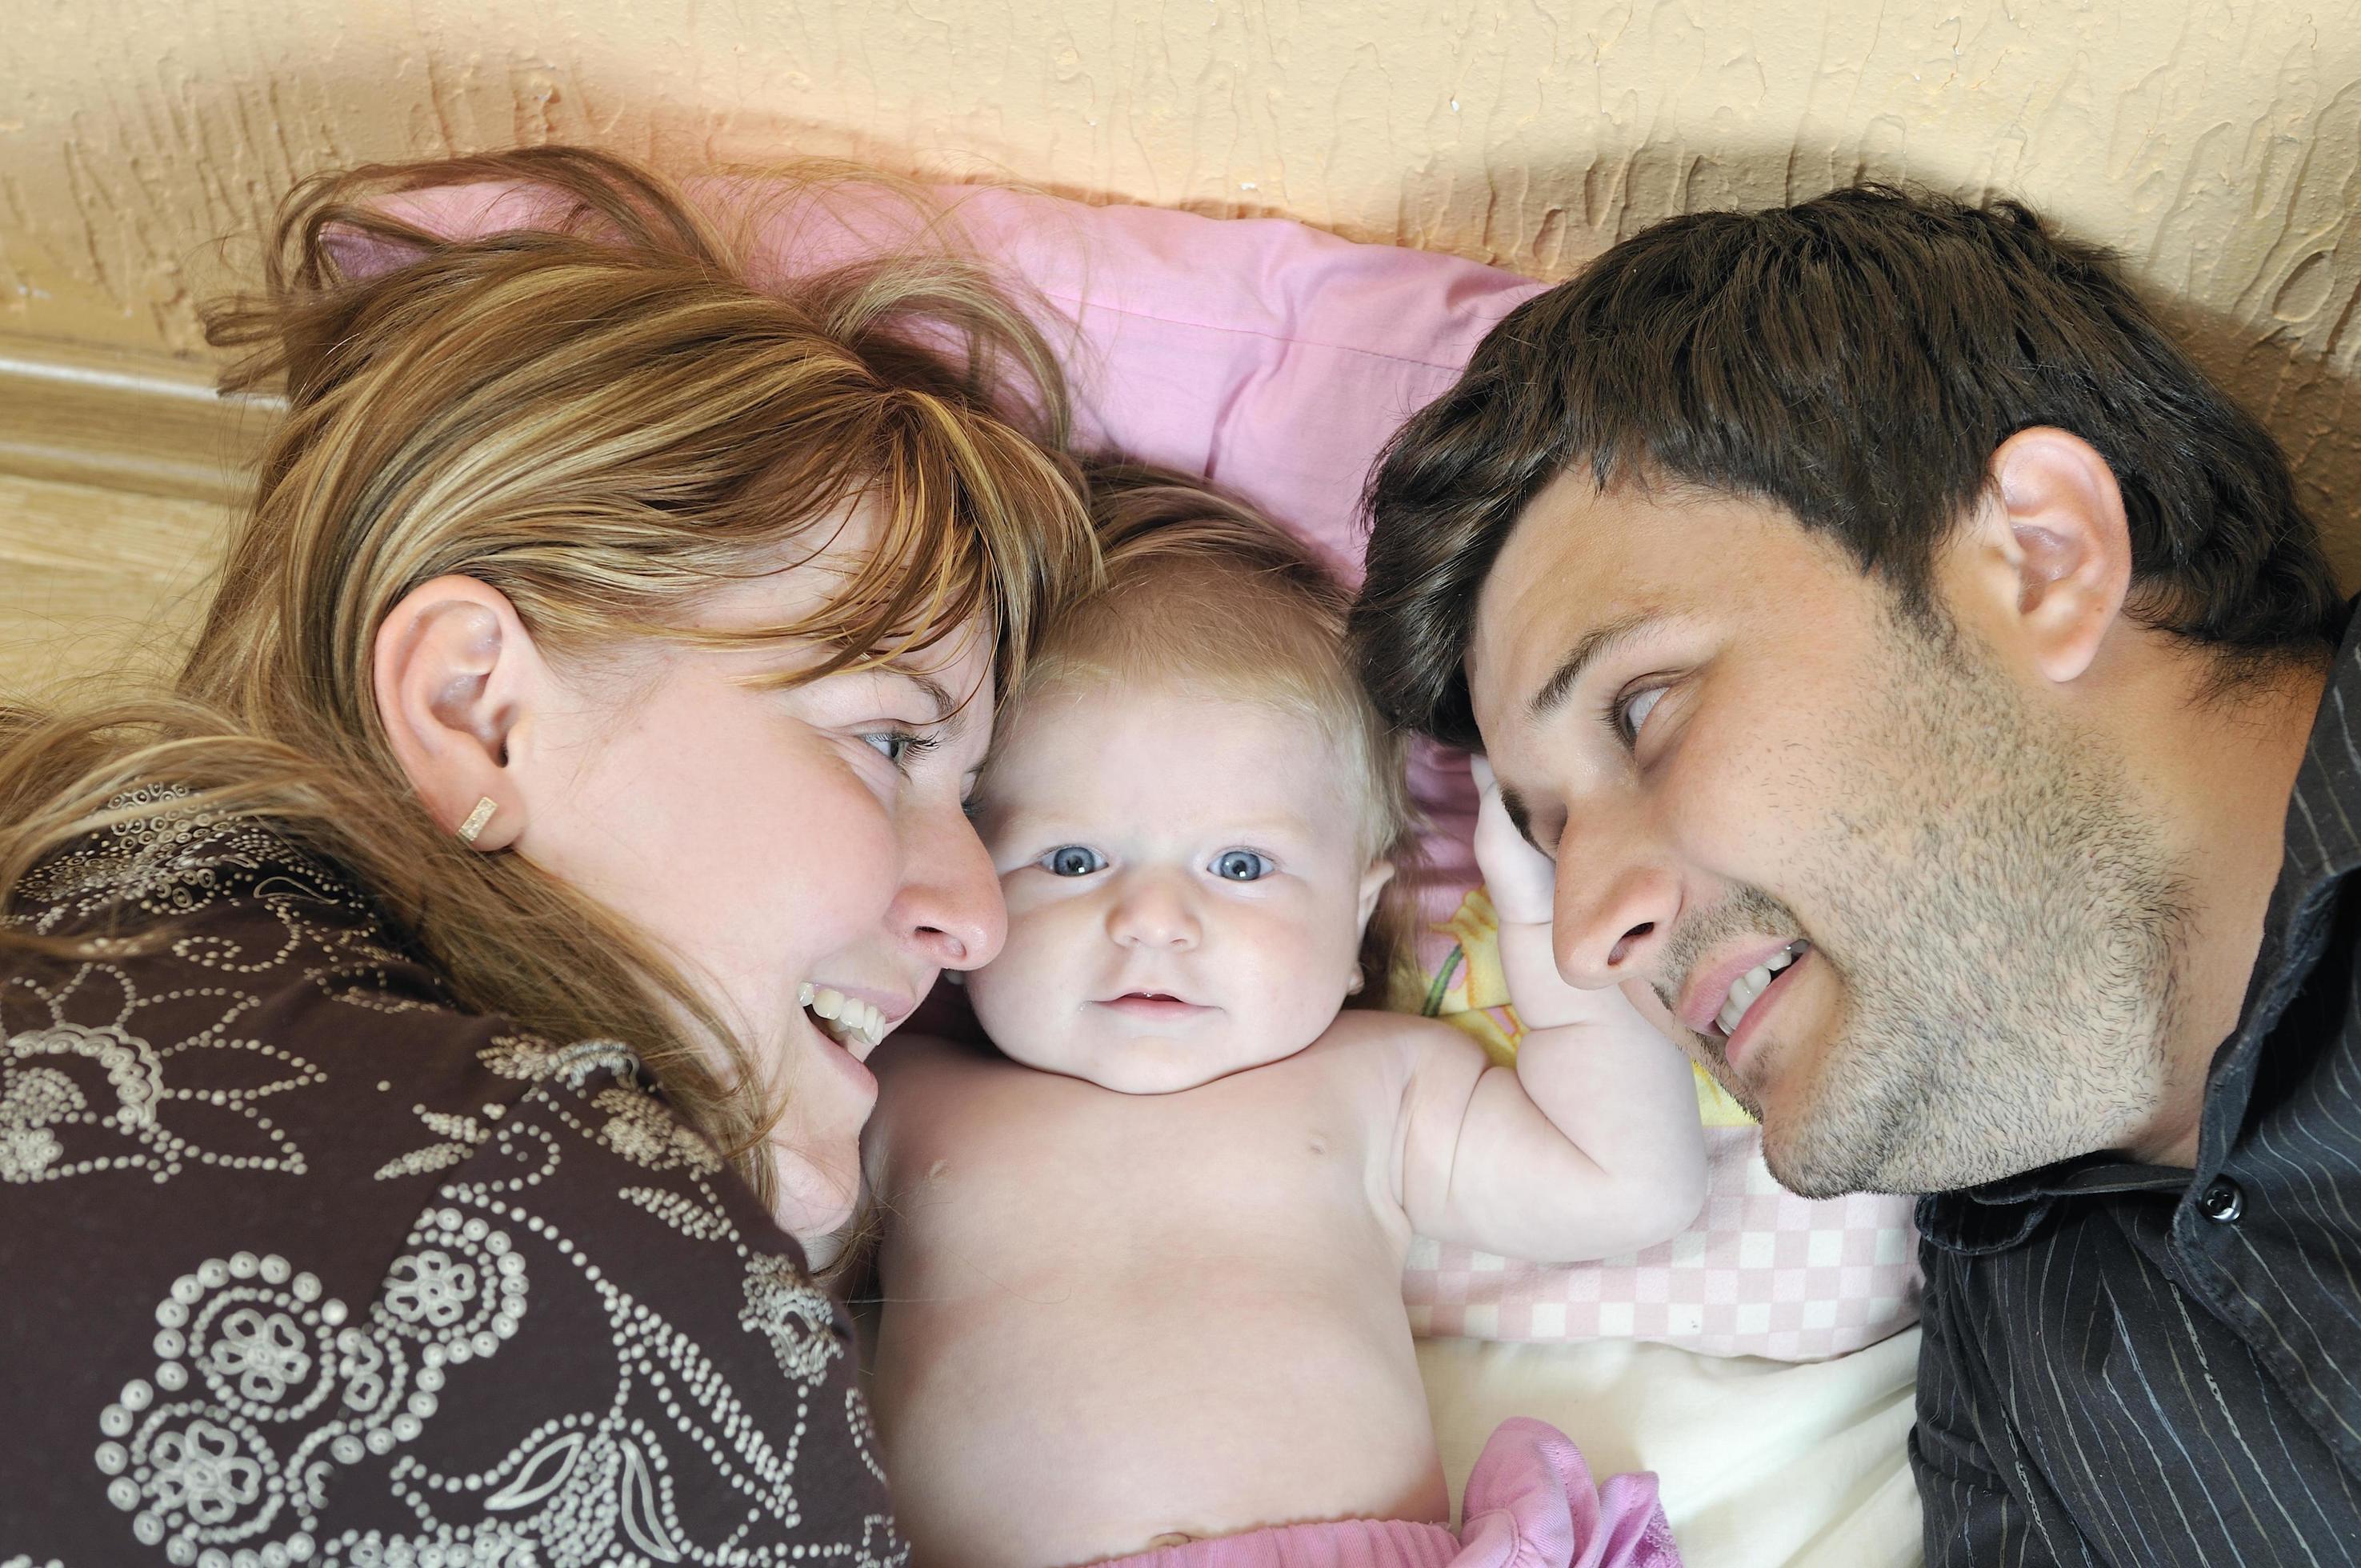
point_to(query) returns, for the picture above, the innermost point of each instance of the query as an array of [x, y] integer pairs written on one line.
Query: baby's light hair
[[1204, 595]]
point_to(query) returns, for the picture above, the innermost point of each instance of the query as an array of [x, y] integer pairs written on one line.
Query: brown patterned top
[[300, 1264]]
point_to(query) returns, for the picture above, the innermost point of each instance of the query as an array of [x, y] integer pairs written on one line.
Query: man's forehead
[[1570, 570]]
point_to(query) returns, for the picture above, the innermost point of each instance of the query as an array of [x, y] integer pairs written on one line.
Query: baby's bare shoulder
[[1394, 1044]]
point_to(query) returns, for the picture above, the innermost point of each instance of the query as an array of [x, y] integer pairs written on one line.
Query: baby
[[1141, 1269]]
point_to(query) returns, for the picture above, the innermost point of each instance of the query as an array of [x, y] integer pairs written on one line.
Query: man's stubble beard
[[2004, 926]]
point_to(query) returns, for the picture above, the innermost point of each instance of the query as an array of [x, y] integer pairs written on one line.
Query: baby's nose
[[1150, 912]]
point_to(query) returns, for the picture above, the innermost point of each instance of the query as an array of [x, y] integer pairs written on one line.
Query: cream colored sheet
[[1761, 1463]]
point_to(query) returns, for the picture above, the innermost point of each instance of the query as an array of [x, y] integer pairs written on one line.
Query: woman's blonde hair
[[1204, 592], [603, 419]]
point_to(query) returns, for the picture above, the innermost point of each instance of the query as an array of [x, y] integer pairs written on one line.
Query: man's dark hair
[[1854, 359]]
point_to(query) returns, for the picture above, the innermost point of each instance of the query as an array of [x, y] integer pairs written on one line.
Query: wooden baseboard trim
[[120, 421]]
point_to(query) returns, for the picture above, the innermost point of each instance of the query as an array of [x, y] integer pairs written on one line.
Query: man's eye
[[1241, 865], [1635, 710], [1073, 860]]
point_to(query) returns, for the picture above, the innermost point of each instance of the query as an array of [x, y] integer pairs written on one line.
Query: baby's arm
[[1590, 1147]]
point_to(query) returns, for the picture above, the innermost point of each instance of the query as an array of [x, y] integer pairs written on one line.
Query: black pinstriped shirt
[[2139, 1367]]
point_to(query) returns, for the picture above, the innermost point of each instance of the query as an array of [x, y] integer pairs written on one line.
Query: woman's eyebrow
[[937, 694], [934, 691]]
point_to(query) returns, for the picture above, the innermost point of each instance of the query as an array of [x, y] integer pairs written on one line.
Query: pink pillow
[[1276, 360]]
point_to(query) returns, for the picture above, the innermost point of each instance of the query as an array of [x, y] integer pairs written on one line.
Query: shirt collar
[[2323, 846]]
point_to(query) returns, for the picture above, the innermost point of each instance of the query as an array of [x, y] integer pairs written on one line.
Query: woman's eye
[[1073, 860], [1241, 865], [899, 746], [1636, 709]]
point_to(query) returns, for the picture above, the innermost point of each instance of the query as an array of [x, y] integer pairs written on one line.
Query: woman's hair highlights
[[602, 417]]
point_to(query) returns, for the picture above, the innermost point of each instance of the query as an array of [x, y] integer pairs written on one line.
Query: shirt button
[[2222, 1201]]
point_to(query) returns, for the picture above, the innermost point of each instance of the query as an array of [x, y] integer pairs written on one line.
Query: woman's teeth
[[1751, 984], [855, 1024]]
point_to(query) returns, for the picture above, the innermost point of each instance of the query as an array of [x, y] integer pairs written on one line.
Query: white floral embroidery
[[703, 1221], [461, 1138], [369, 1370], [641, 1130], [78, 1098], [199, 1469], [461, 1295], [265, 1352], [269, 1399], [592, 1487], [863, 1427], [430, 1288], [34, 1100], [796, 1316], [26, 1152], [518, 1055]]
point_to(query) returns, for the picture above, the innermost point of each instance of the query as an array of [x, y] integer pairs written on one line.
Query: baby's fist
[[1519, 880], [1522, 885]]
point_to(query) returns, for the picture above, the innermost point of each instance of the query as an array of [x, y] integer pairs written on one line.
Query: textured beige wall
[[2217, 142]]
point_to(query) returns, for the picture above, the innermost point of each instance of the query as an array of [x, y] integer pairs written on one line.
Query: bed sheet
[[1764, 1463]]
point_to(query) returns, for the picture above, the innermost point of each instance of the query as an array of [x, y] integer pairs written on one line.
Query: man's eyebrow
[[1592, 646]]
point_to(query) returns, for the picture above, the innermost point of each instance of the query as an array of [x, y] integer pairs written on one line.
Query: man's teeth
[[1751, 984], [847, 1020]]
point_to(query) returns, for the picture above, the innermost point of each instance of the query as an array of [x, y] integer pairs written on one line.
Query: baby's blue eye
[[1073, 860], [1241, 865]]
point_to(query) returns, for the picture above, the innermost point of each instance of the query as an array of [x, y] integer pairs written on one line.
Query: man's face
[[1896, 904]]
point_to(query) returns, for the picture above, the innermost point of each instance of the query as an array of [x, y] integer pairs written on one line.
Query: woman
[[562, 796]]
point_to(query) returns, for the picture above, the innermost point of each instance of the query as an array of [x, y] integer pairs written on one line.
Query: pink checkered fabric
[[1761, 1272]]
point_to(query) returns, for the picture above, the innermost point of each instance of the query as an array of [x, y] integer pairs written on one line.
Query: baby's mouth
[[855, 1024], [1150, 1004]]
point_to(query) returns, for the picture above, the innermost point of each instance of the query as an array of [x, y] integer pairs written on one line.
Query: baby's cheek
[[1016, 993], [1301, 967]]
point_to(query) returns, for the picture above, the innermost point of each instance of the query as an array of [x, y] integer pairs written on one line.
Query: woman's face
[[790, 848]]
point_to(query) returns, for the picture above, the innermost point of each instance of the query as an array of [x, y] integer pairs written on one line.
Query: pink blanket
[[1530, 1503]]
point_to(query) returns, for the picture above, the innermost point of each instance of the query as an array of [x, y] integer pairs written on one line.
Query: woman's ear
[[1373, 883], [2047, 551], [454, 675]]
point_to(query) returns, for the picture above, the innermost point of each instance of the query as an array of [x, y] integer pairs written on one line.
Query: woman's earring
[[1353, 986], [477, 818]]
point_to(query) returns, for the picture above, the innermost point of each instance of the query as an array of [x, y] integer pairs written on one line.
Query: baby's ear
[[1373, 883]]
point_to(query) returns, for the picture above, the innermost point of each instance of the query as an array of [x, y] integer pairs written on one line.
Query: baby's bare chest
[[1229, 1183]]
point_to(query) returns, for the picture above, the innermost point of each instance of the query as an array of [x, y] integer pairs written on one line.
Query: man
[[1931, 691]]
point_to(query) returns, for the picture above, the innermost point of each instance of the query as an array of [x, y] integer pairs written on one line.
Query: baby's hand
[[1590, 1146], [1521, 883]]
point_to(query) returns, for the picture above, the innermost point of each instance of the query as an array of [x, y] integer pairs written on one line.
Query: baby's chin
[[1154, 1065]]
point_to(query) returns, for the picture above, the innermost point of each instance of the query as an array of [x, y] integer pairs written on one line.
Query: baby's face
[[1186, 887]]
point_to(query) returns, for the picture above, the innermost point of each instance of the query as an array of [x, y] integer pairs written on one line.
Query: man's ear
[[2048, 549], [454, 670]]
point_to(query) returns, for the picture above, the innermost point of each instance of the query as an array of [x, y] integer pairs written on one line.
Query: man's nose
[[1152, 909], [1616, 899], [950, 907]]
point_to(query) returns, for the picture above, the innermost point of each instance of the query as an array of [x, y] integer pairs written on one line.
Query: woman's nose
[[951, 907], [1149, 910], [1615, 905]]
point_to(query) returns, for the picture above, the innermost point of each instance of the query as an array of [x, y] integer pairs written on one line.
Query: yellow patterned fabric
[[1468, 990]]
